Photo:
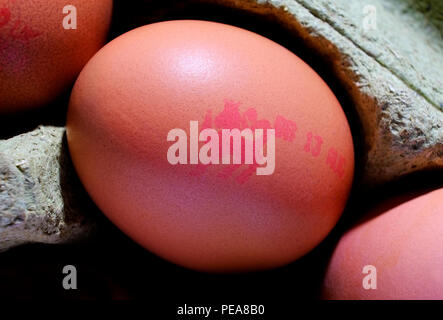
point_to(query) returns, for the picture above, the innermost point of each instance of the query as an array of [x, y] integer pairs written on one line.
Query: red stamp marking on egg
[[313, 144], [231, 118], [5, 16], [23, 32], [336, 162], [17, 30], [285, 129]]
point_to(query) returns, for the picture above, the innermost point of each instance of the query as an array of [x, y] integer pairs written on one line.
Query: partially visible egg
[[130, 120], [43, 46], [393, 254]]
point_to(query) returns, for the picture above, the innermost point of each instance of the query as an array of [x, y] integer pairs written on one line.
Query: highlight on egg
[[168, 124], [392, 254], [44, 45]]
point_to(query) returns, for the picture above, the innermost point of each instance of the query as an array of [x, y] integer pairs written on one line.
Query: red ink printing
[[336, 162], [231, 118], [313, 144], [5, 16], [19, 31]]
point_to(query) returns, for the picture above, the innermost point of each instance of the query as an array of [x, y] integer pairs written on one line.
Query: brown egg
[[39, 58], [140, 97], [395, 253]]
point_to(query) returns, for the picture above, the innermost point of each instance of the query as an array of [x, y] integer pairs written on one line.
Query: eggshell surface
[[216, 217], [403, 246], [39, 58]]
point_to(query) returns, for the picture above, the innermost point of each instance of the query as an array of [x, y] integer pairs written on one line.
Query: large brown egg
[[130, 120], [395, 253], [43, 46]]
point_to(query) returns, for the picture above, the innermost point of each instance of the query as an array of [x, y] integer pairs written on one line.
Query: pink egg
[[396, 254], [143, 94]]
